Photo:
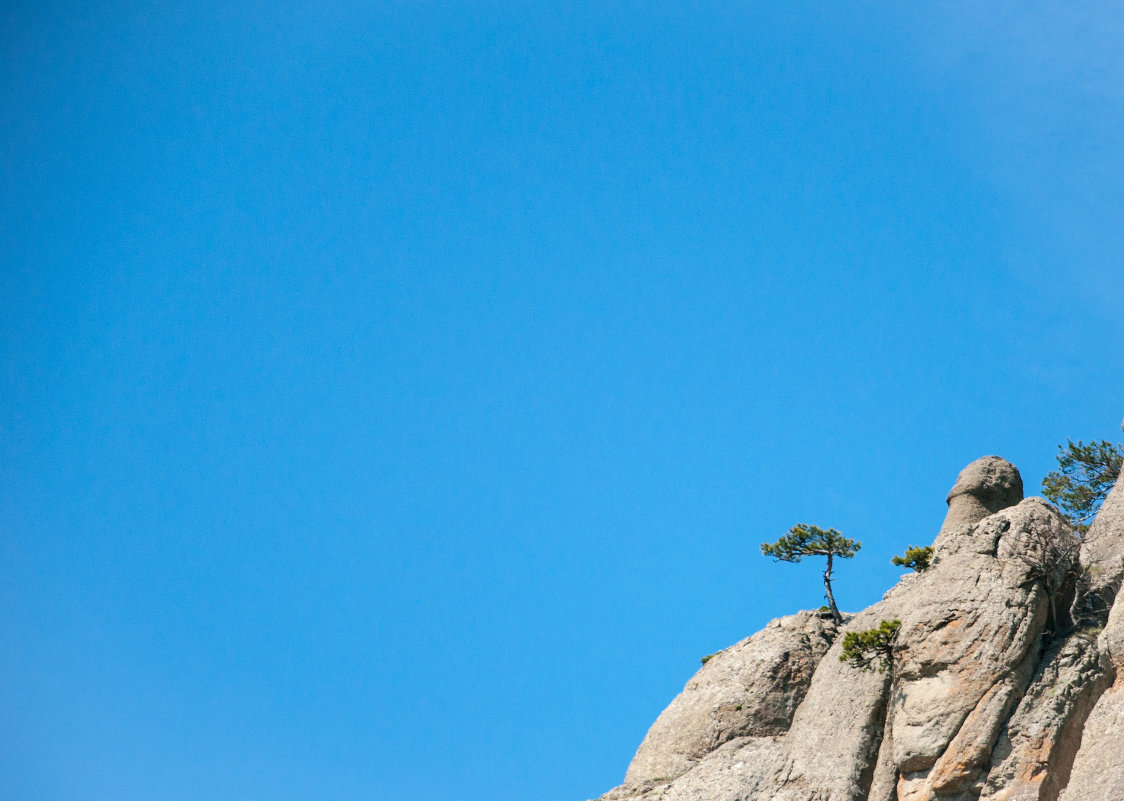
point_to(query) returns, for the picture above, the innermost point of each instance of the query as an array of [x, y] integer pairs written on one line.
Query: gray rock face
[[831, 749], [982, 488], [1035, 752], [751, 689], [1102, 552], [967, 646], [993, 693], [823, 756], [1098, 769]]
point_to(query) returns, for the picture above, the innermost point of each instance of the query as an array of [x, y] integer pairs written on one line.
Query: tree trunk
[[831, 598]]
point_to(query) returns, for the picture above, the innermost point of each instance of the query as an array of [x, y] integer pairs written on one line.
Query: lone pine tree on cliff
[[804, 540]]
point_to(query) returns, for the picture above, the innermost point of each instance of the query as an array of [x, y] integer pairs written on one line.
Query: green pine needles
[[916, 558], [873, 648], [1084, 476], [804, 540]]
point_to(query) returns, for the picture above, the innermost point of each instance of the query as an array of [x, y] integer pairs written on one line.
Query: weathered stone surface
[[1034, 755], [982, 488], [827, 754], [1098, 769], [993, 695], [1102, 552], [832, 746], [1102, 555], [741, 769], [967, 646], [749, 689], [884, 783]]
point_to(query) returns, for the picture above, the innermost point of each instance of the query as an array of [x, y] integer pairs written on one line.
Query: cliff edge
[[1006, 682]]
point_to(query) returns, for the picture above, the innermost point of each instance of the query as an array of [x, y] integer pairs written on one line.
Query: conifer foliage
[[1084, 476], [916, 558], [804, 540], [871, 648]]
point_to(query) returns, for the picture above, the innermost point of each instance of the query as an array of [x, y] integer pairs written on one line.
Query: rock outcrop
[[1098, 770], [751, 689], [1034, 755], [995, 691], [982, 488], [968, 645], [1102, 552]]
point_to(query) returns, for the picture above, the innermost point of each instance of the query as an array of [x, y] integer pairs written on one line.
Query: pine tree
[[1084, 476], [804, 540]]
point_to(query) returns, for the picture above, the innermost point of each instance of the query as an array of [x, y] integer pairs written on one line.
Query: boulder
[[983, 488], [751, 689]]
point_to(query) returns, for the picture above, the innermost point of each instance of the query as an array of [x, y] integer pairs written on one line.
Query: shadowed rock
[[1098, 772], [1035, 753], [1102, 553]]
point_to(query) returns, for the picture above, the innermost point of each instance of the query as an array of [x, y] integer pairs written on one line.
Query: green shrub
[[871, 648], [916, 557]]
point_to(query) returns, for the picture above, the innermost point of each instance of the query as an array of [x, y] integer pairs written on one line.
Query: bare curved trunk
[[831, 598]]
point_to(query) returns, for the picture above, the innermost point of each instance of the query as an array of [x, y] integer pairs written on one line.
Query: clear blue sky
[[395, 395]]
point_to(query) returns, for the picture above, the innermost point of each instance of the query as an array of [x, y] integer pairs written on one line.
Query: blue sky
[[395, 395]]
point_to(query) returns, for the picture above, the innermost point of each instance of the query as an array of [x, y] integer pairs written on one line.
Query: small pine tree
[[871, 648], [916, 558], [804, 540], [1084, 476]]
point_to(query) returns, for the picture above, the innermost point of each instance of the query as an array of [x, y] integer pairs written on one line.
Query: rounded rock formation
[[751, 689], [984, 487]]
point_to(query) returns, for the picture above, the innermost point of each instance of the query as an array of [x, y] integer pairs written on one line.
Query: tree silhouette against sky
[[804, 540]]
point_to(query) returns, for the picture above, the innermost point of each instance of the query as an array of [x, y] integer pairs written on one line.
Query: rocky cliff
[[1006, 681]]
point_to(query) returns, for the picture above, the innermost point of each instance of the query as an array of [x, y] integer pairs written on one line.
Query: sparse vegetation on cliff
[[1006, 599], [916, 557], [871, 648]]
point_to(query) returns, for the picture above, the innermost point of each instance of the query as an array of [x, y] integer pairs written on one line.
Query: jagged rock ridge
[[1007, 681]]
